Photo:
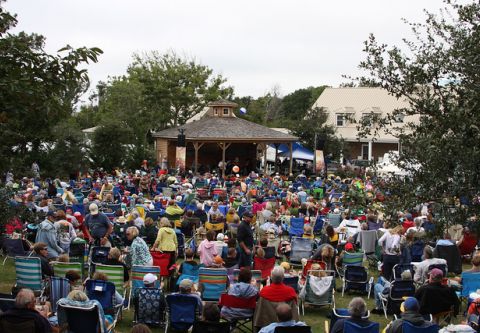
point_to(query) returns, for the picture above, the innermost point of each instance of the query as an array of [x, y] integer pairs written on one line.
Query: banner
[[180, 157], [319, 161]]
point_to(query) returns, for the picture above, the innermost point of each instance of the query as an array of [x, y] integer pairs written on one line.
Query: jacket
[[207, 250], [435, 298], [412, 317], [167, 239], [240, 289], [48, 234], [265, 312]]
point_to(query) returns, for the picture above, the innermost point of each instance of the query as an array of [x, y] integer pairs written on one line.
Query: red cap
[[348, 247]]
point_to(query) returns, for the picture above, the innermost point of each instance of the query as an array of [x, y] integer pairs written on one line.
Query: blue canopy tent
[[299, 152]]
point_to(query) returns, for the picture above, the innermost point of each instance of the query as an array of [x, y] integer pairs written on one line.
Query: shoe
[[377, 311]]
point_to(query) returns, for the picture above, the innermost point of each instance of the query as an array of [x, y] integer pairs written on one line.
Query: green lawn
[[314, 317]]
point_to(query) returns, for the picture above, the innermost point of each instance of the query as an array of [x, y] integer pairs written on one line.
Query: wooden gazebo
[[218, 135]]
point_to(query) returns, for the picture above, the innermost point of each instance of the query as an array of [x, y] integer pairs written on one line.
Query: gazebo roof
[[211, 128]]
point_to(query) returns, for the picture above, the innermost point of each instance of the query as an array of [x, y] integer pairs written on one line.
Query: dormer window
[[225, 112]]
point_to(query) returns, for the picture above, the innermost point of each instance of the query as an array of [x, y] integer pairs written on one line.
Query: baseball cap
[[51, 213], [348, 247], [149, 278], [436, 274], [410, 304], [93, 208]]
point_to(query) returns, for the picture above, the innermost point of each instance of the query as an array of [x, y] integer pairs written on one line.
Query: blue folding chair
[[470, 283], [190, 272], [296, 226], [59, 288], [83, 319], [350, 327], [408, 327], [155, 214], [104, 293], [300, 248], [13, 248], [318, 226], [182, 312], [291, 281], [356, 278], [181, 243]]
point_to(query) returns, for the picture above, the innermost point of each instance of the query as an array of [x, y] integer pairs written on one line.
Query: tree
[[438, 76], [111, 144], [296, 105], [314, 122], [37, 91], [173, 88]]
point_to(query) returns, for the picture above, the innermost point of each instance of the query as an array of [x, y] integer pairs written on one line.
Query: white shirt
[[390, 243], [421, 269], [351, 226]]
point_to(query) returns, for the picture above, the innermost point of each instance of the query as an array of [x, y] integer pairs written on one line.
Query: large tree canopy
[[37, 91], [439, 75]]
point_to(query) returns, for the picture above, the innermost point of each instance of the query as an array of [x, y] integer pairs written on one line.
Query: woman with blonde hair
[[138, 253], [166, 241], [391, 245]]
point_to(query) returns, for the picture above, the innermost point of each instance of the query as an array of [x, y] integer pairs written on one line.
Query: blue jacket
[[48, 234]]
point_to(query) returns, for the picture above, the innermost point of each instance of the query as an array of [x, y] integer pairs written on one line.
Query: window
[[341, 120], [225, 112], [370, 117], [215, 111], [365, 151]]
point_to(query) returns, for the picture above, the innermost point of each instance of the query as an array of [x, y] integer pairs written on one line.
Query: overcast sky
[[254, 44]]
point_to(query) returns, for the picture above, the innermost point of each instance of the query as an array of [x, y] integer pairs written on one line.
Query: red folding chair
[[264, 265], [162, 260], [243, 324]]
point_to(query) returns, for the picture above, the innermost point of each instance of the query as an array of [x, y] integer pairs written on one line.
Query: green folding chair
[[114, 274], [60, 268], [29, 273]]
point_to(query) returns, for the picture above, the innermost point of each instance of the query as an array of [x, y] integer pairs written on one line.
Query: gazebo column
[[197, 146], [290, 148], [265, 147], [224, 146]]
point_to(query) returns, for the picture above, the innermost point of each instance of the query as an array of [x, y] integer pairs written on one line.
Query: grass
[[314, 316]]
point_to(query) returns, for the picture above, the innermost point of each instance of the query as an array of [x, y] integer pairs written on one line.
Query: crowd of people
[[231, 222]]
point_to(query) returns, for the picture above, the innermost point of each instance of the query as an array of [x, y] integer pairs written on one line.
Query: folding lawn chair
[[291, 281], [115, 275], [351, 327], [296, 227], [323, 292], [136, 279], [59, 288], [243, 324], [78, 251], [29, 273], [182, 312], [408, 327], [308, 266], [264, 265], [342, 313], [318, 226], [98, 255], [13, 248], [212, 283], [334, 219], [181, 244], [162, 260], [300, 248], [399, 289], [398, 269], [60, 268], [190, 272], [7, 302], [150, 307], [155, 214], [104, 293], [356, 278], [352, 259]]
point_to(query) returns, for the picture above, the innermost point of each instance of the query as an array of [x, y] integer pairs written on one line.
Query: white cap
[[149, 278], [93, 208]]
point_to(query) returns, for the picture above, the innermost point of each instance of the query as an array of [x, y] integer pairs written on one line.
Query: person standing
[[245, 240], [47, 233], [98, 226]]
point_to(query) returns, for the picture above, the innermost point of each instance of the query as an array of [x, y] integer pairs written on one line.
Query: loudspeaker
[[181, 140]]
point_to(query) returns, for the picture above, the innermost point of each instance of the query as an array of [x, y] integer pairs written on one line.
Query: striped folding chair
[[59, 288], [136, 279], [212, 283], [60, 268], [29, 273], [114, 274]]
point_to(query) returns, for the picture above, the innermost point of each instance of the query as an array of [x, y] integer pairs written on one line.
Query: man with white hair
[[24, 311], [277, 291], [357, 308], [98, 226]]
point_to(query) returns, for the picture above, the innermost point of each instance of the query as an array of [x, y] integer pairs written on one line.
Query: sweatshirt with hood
[[167, 239], [414, 318], [207, 251], [48, 234]]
